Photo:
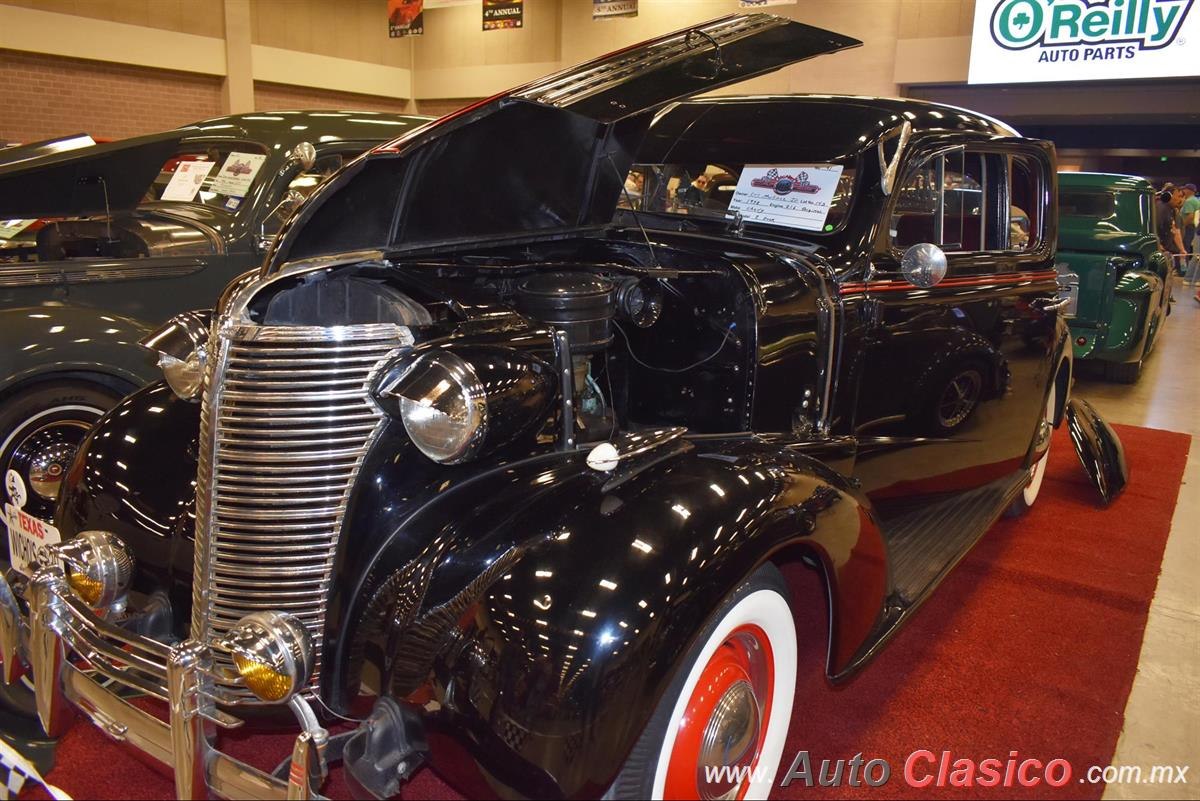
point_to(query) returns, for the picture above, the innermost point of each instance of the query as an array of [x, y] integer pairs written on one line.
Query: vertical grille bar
[[287, 421]]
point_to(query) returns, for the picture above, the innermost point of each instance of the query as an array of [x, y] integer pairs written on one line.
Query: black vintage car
[[520, 473], [104, 243]]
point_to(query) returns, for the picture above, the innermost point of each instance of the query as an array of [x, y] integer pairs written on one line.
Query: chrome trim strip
[[235, 309], [42, 273]]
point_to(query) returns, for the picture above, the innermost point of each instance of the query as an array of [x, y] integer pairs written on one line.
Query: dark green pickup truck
[[1122, 292]]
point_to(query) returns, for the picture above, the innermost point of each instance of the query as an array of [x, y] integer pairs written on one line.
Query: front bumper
[[70, 650]]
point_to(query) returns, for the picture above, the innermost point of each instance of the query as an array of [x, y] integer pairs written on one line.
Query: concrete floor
[[1162, 718]]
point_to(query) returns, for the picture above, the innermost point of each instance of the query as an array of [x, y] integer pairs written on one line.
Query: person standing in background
[[1165, 212], [1189, 211]]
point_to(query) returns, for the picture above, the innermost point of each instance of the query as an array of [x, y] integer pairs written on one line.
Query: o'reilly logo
[[1137, 24]]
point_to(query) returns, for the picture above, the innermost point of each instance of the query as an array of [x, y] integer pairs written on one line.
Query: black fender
[[1099, 448], [44, 342], [538, 611], [135, 476]]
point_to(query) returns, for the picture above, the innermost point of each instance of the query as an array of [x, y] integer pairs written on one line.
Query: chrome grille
[[286, 423]]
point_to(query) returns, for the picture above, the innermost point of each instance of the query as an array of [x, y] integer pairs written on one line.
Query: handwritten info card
[[795, 195]]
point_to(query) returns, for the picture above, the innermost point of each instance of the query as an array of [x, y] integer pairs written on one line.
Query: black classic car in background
[[525, 464], [105, 247]]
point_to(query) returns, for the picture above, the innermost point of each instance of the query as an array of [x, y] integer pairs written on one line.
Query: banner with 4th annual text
[[500, 14], [1033, 41], [611, 9]]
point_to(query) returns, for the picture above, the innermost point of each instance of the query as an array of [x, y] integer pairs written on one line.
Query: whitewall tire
[[729, 705]]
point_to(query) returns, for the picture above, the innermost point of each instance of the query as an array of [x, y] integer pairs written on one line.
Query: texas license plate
[[26, 536]]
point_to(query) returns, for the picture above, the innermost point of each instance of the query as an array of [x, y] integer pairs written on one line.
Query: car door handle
[[1050, 304]]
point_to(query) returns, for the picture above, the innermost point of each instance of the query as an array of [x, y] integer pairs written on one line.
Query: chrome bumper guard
[[70, 650]]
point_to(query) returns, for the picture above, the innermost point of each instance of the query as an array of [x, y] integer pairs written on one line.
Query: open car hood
[[74, 182], [551, 154]]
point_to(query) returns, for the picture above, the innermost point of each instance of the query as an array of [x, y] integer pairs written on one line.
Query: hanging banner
[[498, 14], [609, 9], [757, 3], [406, 18]]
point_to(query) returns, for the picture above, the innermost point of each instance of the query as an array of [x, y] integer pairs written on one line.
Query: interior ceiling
[[1136, 104]]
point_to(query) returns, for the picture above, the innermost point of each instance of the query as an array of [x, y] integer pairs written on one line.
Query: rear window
[[1074, 203], [809, 197]]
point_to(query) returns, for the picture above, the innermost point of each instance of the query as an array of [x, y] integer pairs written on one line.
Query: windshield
[[219, 175], [807, 197]]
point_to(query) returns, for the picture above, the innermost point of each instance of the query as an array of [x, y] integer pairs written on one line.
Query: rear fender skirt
[[1099, 448], [546, 609]]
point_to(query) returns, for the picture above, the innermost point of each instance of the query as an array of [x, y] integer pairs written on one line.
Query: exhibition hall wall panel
[[197, 17], [278, 97], [350, 29]]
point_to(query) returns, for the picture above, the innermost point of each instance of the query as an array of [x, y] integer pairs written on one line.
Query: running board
[[924, 544]]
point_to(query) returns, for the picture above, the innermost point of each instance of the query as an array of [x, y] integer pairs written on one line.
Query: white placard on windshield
[[237, 173], [186, 180], [795, 195], [10, 228]]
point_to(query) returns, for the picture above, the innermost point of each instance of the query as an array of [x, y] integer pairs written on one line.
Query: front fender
[[134, 475], [39, 341], [547, 623]]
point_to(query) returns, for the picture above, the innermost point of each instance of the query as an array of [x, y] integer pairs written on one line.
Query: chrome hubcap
[[47, 466], [731, 736], [42, 458]]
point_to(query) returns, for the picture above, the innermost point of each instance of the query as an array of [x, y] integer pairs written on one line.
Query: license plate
[[26, 536], [1071, 293]]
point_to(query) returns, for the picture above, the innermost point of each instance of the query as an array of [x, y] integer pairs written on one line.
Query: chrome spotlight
[[273, 654]]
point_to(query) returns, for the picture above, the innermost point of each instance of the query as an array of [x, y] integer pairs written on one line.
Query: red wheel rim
[[744, 657]]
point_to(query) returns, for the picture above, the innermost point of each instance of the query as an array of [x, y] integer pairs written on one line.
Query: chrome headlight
[[443, 406], [181, 348], [272, 652], [98, 567]]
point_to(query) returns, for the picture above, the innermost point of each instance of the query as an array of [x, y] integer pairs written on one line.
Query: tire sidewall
[[763, 600], [18, 411], [1025, 500], [21, 413]]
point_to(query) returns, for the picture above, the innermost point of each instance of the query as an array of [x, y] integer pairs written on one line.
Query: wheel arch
[[574, 604], [49, 343], [118, 381]]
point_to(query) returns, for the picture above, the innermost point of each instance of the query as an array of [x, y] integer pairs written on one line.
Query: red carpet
[[1030, 645]]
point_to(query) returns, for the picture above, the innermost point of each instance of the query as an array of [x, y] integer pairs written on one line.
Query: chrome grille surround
[[287, 419]]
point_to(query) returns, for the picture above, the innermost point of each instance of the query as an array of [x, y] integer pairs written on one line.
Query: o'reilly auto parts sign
[[1027, 41]]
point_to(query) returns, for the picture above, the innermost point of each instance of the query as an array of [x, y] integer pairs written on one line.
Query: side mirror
[[924, 265], [283, 209], [303, 154]]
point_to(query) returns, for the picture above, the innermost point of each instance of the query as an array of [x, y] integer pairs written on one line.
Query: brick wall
[[46, 96]]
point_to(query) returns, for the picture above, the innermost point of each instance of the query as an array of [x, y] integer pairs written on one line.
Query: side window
[[1025, 206], [959, 201]]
